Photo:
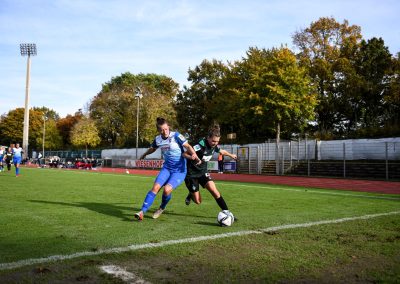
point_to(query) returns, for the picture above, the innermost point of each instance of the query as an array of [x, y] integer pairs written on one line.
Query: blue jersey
[[17, 152], [172, 149]]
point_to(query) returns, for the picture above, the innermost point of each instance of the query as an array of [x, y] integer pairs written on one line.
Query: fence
[[93, 154], [361, 158]]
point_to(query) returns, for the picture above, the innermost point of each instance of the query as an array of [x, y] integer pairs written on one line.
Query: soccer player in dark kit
[[197, 173]]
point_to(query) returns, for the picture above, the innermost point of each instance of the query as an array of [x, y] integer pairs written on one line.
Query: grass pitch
[[50, 212]]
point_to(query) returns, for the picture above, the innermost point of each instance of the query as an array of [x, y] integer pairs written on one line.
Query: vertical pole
[[248, 152], [290, 153], [277, 158], [137, 127], [25, 140], [344, 159], [306, 148], [308, 163], [44, 134], [386, 161], [283, 160], [298, 150]]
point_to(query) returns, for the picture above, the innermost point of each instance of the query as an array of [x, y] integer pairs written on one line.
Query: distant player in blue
[[17, 158], [2, 153], [173, 172]]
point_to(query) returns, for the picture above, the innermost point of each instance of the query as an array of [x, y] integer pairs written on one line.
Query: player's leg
[[161, 179], [173, 182], [192, 184], [16, 164], [210, 186]]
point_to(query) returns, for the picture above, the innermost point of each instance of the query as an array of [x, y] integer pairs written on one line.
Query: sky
[[82, 44]]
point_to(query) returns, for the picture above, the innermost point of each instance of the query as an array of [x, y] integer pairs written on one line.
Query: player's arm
[[188, 156], [226, 153], [190, 151], [148, 152]]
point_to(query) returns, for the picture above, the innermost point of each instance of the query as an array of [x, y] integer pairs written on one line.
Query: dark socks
[[221, 203]]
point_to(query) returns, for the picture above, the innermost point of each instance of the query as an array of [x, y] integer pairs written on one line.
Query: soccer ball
[[127, 171], [225, 218]]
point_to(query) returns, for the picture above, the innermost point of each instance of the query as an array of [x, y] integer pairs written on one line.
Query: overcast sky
[[83, 44]]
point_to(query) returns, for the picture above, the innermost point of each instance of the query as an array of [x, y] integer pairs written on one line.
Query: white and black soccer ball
[[225, 218]]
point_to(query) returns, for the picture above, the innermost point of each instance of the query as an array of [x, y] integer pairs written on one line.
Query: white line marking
[[26, 262], [307, 190], [121, 273]]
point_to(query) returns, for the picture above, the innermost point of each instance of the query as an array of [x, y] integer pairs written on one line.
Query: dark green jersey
[[205, 152]]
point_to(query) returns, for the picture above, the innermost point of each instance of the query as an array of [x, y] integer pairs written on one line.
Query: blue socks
[[17, 171], [165, 200], [148, 201]]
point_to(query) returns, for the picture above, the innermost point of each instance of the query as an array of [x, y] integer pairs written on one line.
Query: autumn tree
[[278, 91], [85, 134], [65, 126], [11, 127], [114, 109], [327, 49], [52, 139], [195, 105]]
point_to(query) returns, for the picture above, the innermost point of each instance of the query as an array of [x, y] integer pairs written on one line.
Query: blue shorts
[[173, 179], [17, 160]]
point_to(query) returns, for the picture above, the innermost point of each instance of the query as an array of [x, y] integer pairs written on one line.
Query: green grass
[[49, 212]]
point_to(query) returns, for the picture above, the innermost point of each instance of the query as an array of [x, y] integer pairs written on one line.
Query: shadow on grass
[[115, 210], [102, 208], [214, 224]]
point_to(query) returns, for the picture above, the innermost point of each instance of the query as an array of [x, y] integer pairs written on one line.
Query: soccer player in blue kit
[[17, 158], [173, 172], [2, 154]]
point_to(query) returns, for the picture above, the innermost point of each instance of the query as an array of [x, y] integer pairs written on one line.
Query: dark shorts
[[192, 183]]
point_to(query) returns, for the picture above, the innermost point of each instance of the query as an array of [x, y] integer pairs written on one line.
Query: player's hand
[[198, 162], [195, 158], [234, 157]]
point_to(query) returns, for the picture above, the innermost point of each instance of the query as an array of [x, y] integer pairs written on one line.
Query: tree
[[11, 127], [278, 91], [323, 46], [392, 100], [53, 139], [374, 66], [195, 105], [65, 126], [85, 133], [114, 109]]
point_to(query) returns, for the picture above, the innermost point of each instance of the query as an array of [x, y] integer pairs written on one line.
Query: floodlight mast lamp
[[27, 49]]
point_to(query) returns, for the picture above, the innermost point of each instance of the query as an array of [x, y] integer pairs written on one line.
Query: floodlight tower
[[27, 49]]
